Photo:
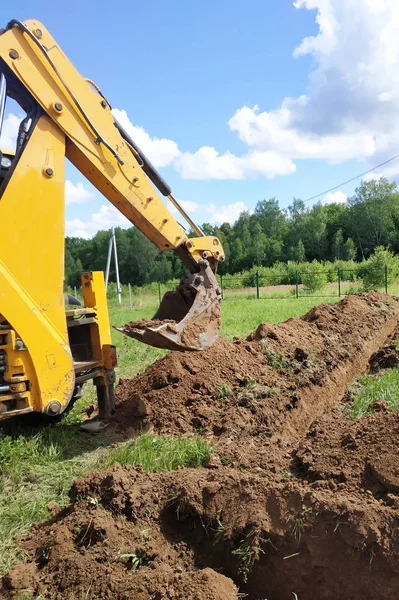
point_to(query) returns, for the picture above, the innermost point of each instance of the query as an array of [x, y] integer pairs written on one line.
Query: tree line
[[322, 232]]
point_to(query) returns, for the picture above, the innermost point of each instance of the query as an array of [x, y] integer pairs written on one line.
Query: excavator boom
[[68, 116]]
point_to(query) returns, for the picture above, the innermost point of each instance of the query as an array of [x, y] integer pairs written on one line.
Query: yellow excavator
[[47, 349]]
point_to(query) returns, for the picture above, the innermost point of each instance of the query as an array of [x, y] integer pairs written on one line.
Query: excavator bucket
[[188, 318]]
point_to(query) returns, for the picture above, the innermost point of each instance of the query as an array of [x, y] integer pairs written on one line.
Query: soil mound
[[356, 455], [298, 498], [189, 534], [267, 388]]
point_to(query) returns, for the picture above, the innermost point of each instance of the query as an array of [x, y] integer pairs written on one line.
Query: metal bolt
[[14, 54], [165, 220], [150, 199], [53, 408], [189, 244], [104, 103], [58, 106], [49, 172], [38, 33]]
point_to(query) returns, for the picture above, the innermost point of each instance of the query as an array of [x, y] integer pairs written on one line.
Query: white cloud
[[207, 163], [161, 152], [335, 198], [350, 108], [226, 213], [188, 205], [108, 216], [8, 138], [216, 215], [77, 193]]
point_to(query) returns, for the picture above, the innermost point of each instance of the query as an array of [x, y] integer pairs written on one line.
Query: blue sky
[[233, 101]]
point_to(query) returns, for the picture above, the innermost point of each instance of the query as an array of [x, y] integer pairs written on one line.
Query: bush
[[314, 278], [373, 270]]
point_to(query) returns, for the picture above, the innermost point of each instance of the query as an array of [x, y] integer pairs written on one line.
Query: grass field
[[38, 465]]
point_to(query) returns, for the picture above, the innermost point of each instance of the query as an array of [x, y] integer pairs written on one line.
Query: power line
[[353, 178]]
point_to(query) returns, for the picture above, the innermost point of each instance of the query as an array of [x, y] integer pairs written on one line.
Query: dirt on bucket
[[298, 498]]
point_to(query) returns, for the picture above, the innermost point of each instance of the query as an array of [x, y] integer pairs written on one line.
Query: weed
[[219, 529], [273, 359], [300, 521], [145, 532], [340, 522], [226, 461], [250, 384], [223, 391], [247, 552], [136, 560], [297, 528]]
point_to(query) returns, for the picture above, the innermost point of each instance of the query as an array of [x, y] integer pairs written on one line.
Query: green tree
[[372, 211], [337, 245], [349, 250], [297, 253]]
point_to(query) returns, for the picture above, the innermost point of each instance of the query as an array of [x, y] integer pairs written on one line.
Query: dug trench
[[297, 498]]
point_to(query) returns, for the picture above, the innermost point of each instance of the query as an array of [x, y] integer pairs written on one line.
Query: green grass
[[160, 454], [37, 466], [383, 386]]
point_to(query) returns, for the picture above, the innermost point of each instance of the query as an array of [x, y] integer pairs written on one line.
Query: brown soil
[[386, 357], [298, 498], [265, 390]]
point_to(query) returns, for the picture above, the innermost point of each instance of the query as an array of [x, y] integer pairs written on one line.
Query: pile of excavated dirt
[[266, 389], [297, 498], [324, 523]]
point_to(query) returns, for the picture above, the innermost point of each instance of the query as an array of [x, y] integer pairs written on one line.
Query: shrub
[[314, 278], [373, 271]]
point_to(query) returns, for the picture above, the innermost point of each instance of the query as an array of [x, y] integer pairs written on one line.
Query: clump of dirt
[[386, 357], [189, 534], [360, 455], [265, 389], [144, 323], [297, 497]]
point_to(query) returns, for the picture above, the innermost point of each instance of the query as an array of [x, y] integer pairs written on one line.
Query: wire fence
[[322, 284], [330, 283]]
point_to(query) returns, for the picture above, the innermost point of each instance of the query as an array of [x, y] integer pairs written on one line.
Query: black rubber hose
[[72, 301]]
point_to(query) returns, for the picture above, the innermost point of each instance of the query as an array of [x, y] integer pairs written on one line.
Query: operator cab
[[6, 159]]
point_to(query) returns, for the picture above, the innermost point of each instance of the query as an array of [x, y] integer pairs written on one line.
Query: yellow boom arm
[[94, 143], [45, 353]]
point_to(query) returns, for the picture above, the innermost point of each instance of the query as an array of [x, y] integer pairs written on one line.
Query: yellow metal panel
[[126, 186], [32, 264]]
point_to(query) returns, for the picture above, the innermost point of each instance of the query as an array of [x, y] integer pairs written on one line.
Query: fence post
[[339, 282], [159, 291], [75, 293], [257, 284], [386, 279], [296, 284], [130, 295], [221, 286]]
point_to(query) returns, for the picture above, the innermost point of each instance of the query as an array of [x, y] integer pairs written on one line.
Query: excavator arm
[[67, 116]]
